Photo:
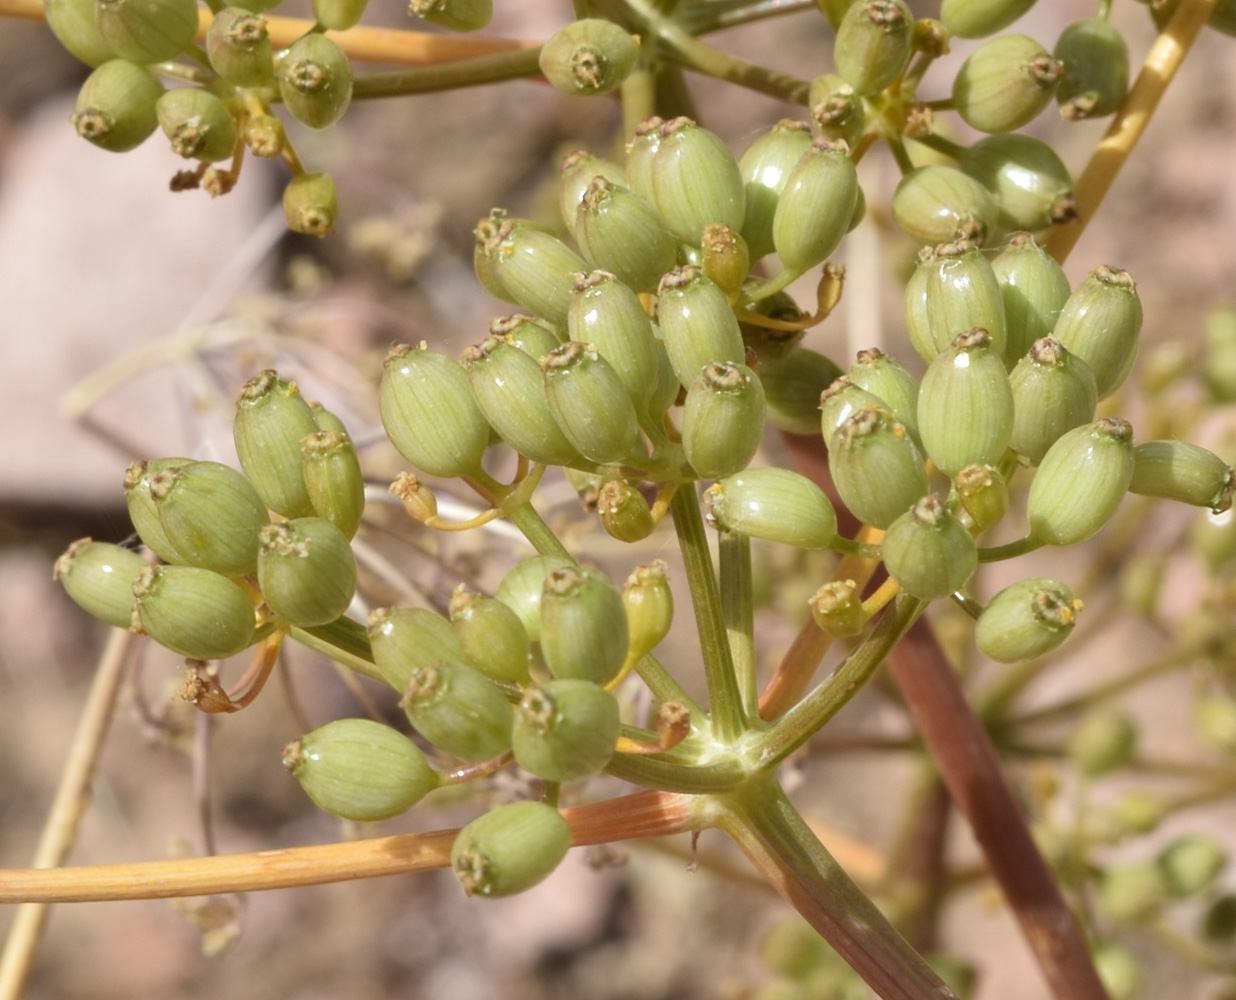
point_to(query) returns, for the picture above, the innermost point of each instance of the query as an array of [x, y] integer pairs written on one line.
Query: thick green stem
[[525, 517], [701, 779], [449, 76], [639, 99], [663, 685], [940, 144], [738, 610], [1010, 550]]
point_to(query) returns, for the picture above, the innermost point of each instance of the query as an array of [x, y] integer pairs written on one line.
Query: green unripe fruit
[[837, 608], [509, 390], [198, 124], [1034, 289], [510, 849], [491, 636], [360, 770], [265, 136], [532, 267], [695, 181], [1214, 723], [873, 44], [725, 258], [918, 326], [792, 388], [1140, 583], [792, 947], [878, 470], [607, 314], [429, 412], [649, 604], [192, 611], [640, 153], [965, 405], [816, 206], [1191, 863], [565, 730], [697, 324], [1132, 893], [1219, 922], [1081, 481], [210, 515], [272, 418], [459, 710], [583, 625], [588, 57], [774, 504], [141, 505], [527, 333], [836, 111], [624, 511], [1096, 69], [99, 577], [1032, 185], [1027, 620], [315, 81], [238, 45], [928, 551], [1141, 811], [1120, 970], [579, 169], [522, 587], [896, 388], [963, 293], [147, 31], [338, 15], [310, 204], [74, 25], [458, 15], [984, 495], [1005, 83], [306, 570], [333, 478], [1104, 742], [1053, 392], [590, 403], [765, 166], [620, 233], [723, 419], [404, 639], [1100, 323], [980, 18], [115, 107], [938, 204], [1177, 470]]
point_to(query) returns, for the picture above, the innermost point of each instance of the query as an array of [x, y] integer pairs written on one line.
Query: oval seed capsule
[[1081, 481], [836, 111], [579, 169], [837, 608], [1096, 69], [429, 412], [792, 388], [937, 204], [522, 586], [723, 420], [1034, 289], [1027, 620], [147, 31], [816, 205], [1100, 323], [99, 577], [583, 625], [527, 333], [880, 375], [333, 478], [210, 515], [238, 45], [640, 153], [310, 204], [649, 604], [878, 471], [624, 511], [191, 611], [533, 267], [774, 504], [315, 81], [141, 506], [1177, 470], [840, 401], [1032, 185], [695, 181], [725, 258], [197, 123], [984, 495], [1191, 863], [980, 18], [565, 730], [306, 570], [115, 107], [590, 403], [459, 710], [1005, 83], [928, 551], [271, 419], [765, 166], [360, 770], [74, 25], [403, 639], [873, 44], [965, 405], [606, 313], [458, 15], [491, 636], [588, 57], [620, 233], [918, 326], [510, 849], [697, 324], [338, 15], [963, 293], [1053, 392]]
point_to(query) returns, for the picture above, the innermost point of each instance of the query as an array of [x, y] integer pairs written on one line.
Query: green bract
[[510, 849], [458, 709], [306, 571], [1027, 620], [774, 504], [565, 730], [588, 57], [193, 612], [99, 577]]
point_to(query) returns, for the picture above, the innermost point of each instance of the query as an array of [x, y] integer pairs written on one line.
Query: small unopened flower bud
[[271, 419], [194, 612], [458, 15], [510, 849], [695, 181], [306, 570], [1132, 892], [1096, 69], [649, 604], [115, 107], [1081, 481], [836, 110], [928, 551], [583, 625], [565, 730], [837, 608], [238, 45], [1005, 83], [588, 57], [1100, 323], [458, 709], [1027, 620], [624, 511], [491, 636], [403, 639], [724, 257], [765, 166], [774, 504], [417, 498], [1120, 970], [1214, 723], [147, 31], [873, 44], [723, 420], [310, 204], [984, 494], [1191, 862], [99, 577], [937, 204], [264, 135], [315, 81]]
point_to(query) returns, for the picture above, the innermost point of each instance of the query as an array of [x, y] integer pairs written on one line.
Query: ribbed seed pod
[[99, 577], [620, 233], [306, 570], [265, 136], [210, 515], [1034, 289], [649, 604], [984, 495], [963, 293], [840, 401], [74, 25], [792, 388], [141, 505], [271, 419], [965, 405], [918, 326], [583, 625], [1096, 69], [816, 205], [458, 709], [565, 730], [725, 258], [1100, 323], [1177, 470], [192, 611], [115, 107], [881, 376], [1005, 83], [607, 314], [836, 111], [1027, 620], [624, 511], [980, 18], [873, 44], [695, 181], [774, 504], [510, 391], [1103, 742], [197, 123], [765, 165], [579, 169], [1053, 392], [1081, 481], [338, 15], [333, 478], [1031, 184], [534, 268], [238, 45], [310, 204], [522, 587], [458, 15], [429, 412], [147, 31], [403, 639], [697, 324], [640, 153], [510, 849], [589, 401], [588, 57], [878, 471], [837, 608], [527, 333], [1190, 863], [360, 770], [928, 551], [315, 81], [938, 204], [722, 419]]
